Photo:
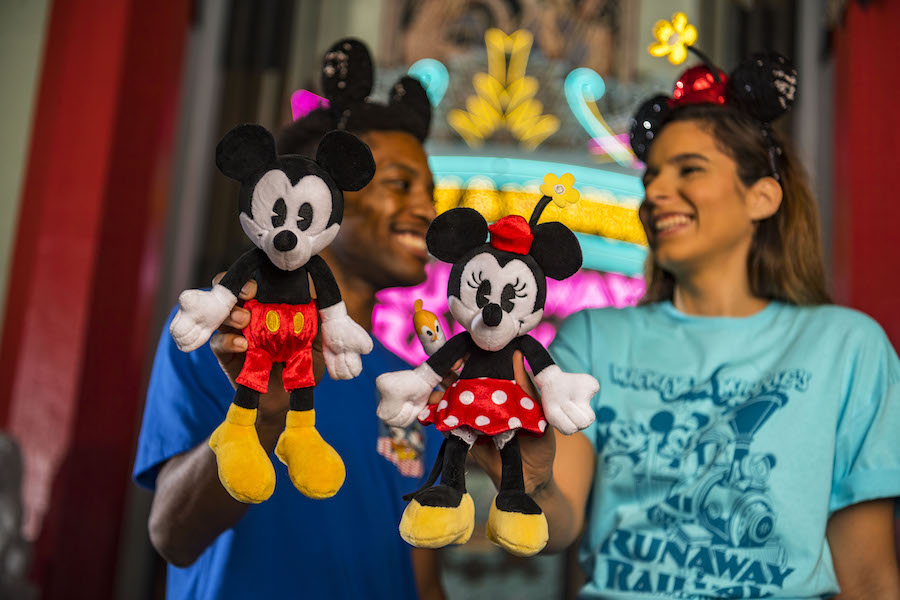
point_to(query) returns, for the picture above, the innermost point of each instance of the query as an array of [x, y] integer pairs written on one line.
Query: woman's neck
[[717, 290], [358, 294]]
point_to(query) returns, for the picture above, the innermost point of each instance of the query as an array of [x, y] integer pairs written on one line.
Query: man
[[346, 546]]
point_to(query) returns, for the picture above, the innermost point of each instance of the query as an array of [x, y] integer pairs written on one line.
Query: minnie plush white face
[[496, 304], [289, 222]]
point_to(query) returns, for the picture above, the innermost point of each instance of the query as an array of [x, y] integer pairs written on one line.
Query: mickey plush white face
[[497, 304], [290, 222]]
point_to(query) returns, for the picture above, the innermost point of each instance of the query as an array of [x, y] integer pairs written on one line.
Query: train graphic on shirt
[[699, 480]]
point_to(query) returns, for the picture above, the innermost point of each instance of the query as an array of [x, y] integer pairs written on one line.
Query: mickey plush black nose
[[285, 241], [492, 314]]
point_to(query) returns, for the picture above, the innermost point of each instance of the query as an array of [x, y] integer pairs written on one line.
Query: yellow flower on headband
[[560, 189], [673, 38]]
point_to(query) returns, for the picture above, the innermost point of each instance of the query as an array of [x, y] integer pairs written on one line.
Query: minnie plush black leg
[[442, 514], [316, 469], [516, 522], [244, 467]]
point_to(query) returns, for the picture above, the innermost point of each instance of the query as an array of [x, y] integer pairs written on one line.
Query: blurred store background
[[110, 204]]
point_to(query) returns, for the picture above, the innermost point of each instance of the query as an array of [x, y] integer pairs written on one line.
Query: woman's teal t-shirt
[[724, 444]]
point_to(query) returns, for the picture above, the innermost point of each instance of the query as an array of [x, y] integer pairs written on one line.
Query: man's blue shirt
[[347, 546]]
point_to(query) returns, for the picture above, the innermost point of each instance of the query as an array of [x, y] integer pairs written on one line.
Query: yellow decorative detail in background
[[673, 38], [272, 321]]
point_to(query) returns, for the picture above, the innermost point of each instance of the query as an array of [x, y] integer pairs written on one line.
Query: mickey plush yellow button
[[298, 322], [272, 321]]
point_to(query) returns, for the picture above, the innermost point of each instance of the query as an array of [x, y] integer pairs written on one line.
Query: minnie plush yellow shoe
[[438, 516], [517, 525], [244, 468], [315, 467]]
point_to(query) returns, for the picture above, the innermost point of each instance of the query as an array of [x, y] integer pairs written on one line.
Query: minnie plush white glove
[[404, 394], [343, 341], [199, 314], [566, 398]]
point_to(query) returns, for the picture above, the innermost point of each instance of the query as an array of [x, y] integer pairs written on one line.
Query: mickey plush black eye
[[304, 216], [484, 288], [506, 297], [279, 213]]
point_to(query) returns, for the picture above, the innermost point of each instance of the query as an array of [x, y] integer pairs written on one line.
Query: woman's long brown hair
[[785, 261]]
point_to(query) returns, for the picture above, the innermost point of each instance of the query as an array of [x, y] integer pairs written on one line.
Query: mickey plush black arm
[[327, 292], [456, 347], [538, 357], [242, 270]]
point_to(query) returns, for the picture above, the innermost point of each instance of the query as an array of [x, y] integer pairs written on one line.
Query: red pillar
[[83, 275], [867, 163]]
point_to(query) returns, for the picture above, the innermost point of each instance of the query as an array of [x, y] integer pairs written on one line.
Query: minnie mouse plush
[[496, 291], [291, 208]]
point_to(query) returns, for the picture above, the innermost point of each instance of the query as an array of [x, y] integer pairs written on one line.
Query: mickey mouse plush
[[291, 208], [496, 291]]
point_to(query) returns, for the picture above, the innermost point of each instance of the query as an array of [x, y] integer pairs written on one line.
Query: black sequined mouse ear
[[645, 124], [409, 95], [764, 86], [347, 73]]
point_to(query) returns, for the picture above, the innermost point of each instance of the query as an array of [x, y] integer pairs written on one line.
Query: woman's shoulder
[[609, 318], [842, 322]]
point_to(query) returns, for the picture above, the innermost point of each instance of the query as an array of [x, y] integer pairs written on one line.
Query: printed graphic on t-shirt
[[402, 446], [706, 525]]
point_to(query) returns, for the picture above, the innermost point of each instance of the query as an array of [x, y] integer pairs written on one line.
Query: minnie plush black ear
[[455, 232], [347, 159], [347, 73], [645, 124], [764, 86], [409, 95], [244, 150], [556, 250]]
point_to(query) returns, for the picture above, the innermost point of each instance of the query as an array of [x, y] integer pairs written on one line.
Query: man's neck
[[358, 294]]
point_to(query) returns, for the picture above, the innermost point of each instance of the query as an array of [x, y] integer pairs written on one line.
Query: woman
[[745, 437]]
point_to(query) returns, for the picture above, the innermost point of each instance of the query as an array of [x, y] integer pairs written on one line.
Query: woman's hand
[[230, 348]]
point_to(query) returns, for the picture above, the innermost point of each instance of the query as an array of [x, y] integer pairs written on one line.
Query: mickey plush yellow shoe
[[438, 516], [315, 467], [518, 525], [244, 468]]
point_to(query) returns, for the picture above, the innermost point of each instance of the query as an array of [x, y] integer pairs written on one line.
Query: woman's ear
[[455, 232], [764, 198], [347, 159], [556, 250]]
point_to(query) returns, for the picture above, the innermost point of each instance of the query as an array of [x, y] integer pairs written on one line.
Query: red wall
[[83, 275], [867, 163]]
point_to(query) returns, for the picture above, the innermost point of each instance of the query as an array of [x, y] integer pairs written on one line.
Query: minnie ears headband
[[347, 79], [763, 87]]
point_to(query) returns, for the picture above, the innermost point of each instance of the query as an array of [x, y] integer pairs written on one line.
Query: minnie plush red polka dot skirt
[[489, 406]]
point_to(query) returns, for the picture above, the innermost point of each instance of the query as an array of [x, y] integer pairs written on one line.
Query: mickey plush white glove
[[404, 394], [566, 398], [343, 340], [199, 314]]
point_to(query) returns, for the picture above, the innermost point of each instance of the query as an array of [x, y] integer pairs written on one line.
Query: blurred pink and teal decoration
[[304, 102]]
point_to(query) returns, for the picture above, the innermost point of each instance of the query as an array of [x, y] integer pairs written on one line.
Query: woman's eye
[[687, 170], [400, 185]]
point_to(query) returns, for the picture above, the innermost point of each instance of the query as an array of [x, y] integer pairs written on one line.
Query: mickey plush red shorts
[[279, 333]]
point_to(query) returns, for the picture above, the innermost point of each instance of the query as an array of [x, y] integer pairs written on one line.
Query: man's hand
[[230, 347]]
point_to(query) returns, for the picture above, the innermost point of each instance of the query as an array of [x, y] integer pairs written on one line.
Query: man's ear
[[455, 232], [764, 198], [244, 150], [347, 159], [556, 250]]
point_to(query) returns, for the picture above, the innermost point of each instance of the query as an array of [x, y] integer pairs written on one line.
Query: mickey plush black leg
[[442, 514], [516, 522], [316, 469], [244, 468]]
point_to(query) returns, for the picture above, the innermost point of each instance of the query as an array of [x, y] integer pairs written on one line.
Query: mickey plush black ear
[[556, 250], [244, 150], [645, 124], [764, 86], [409, 95], [347, 159], [455, 232], [347, 73]]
